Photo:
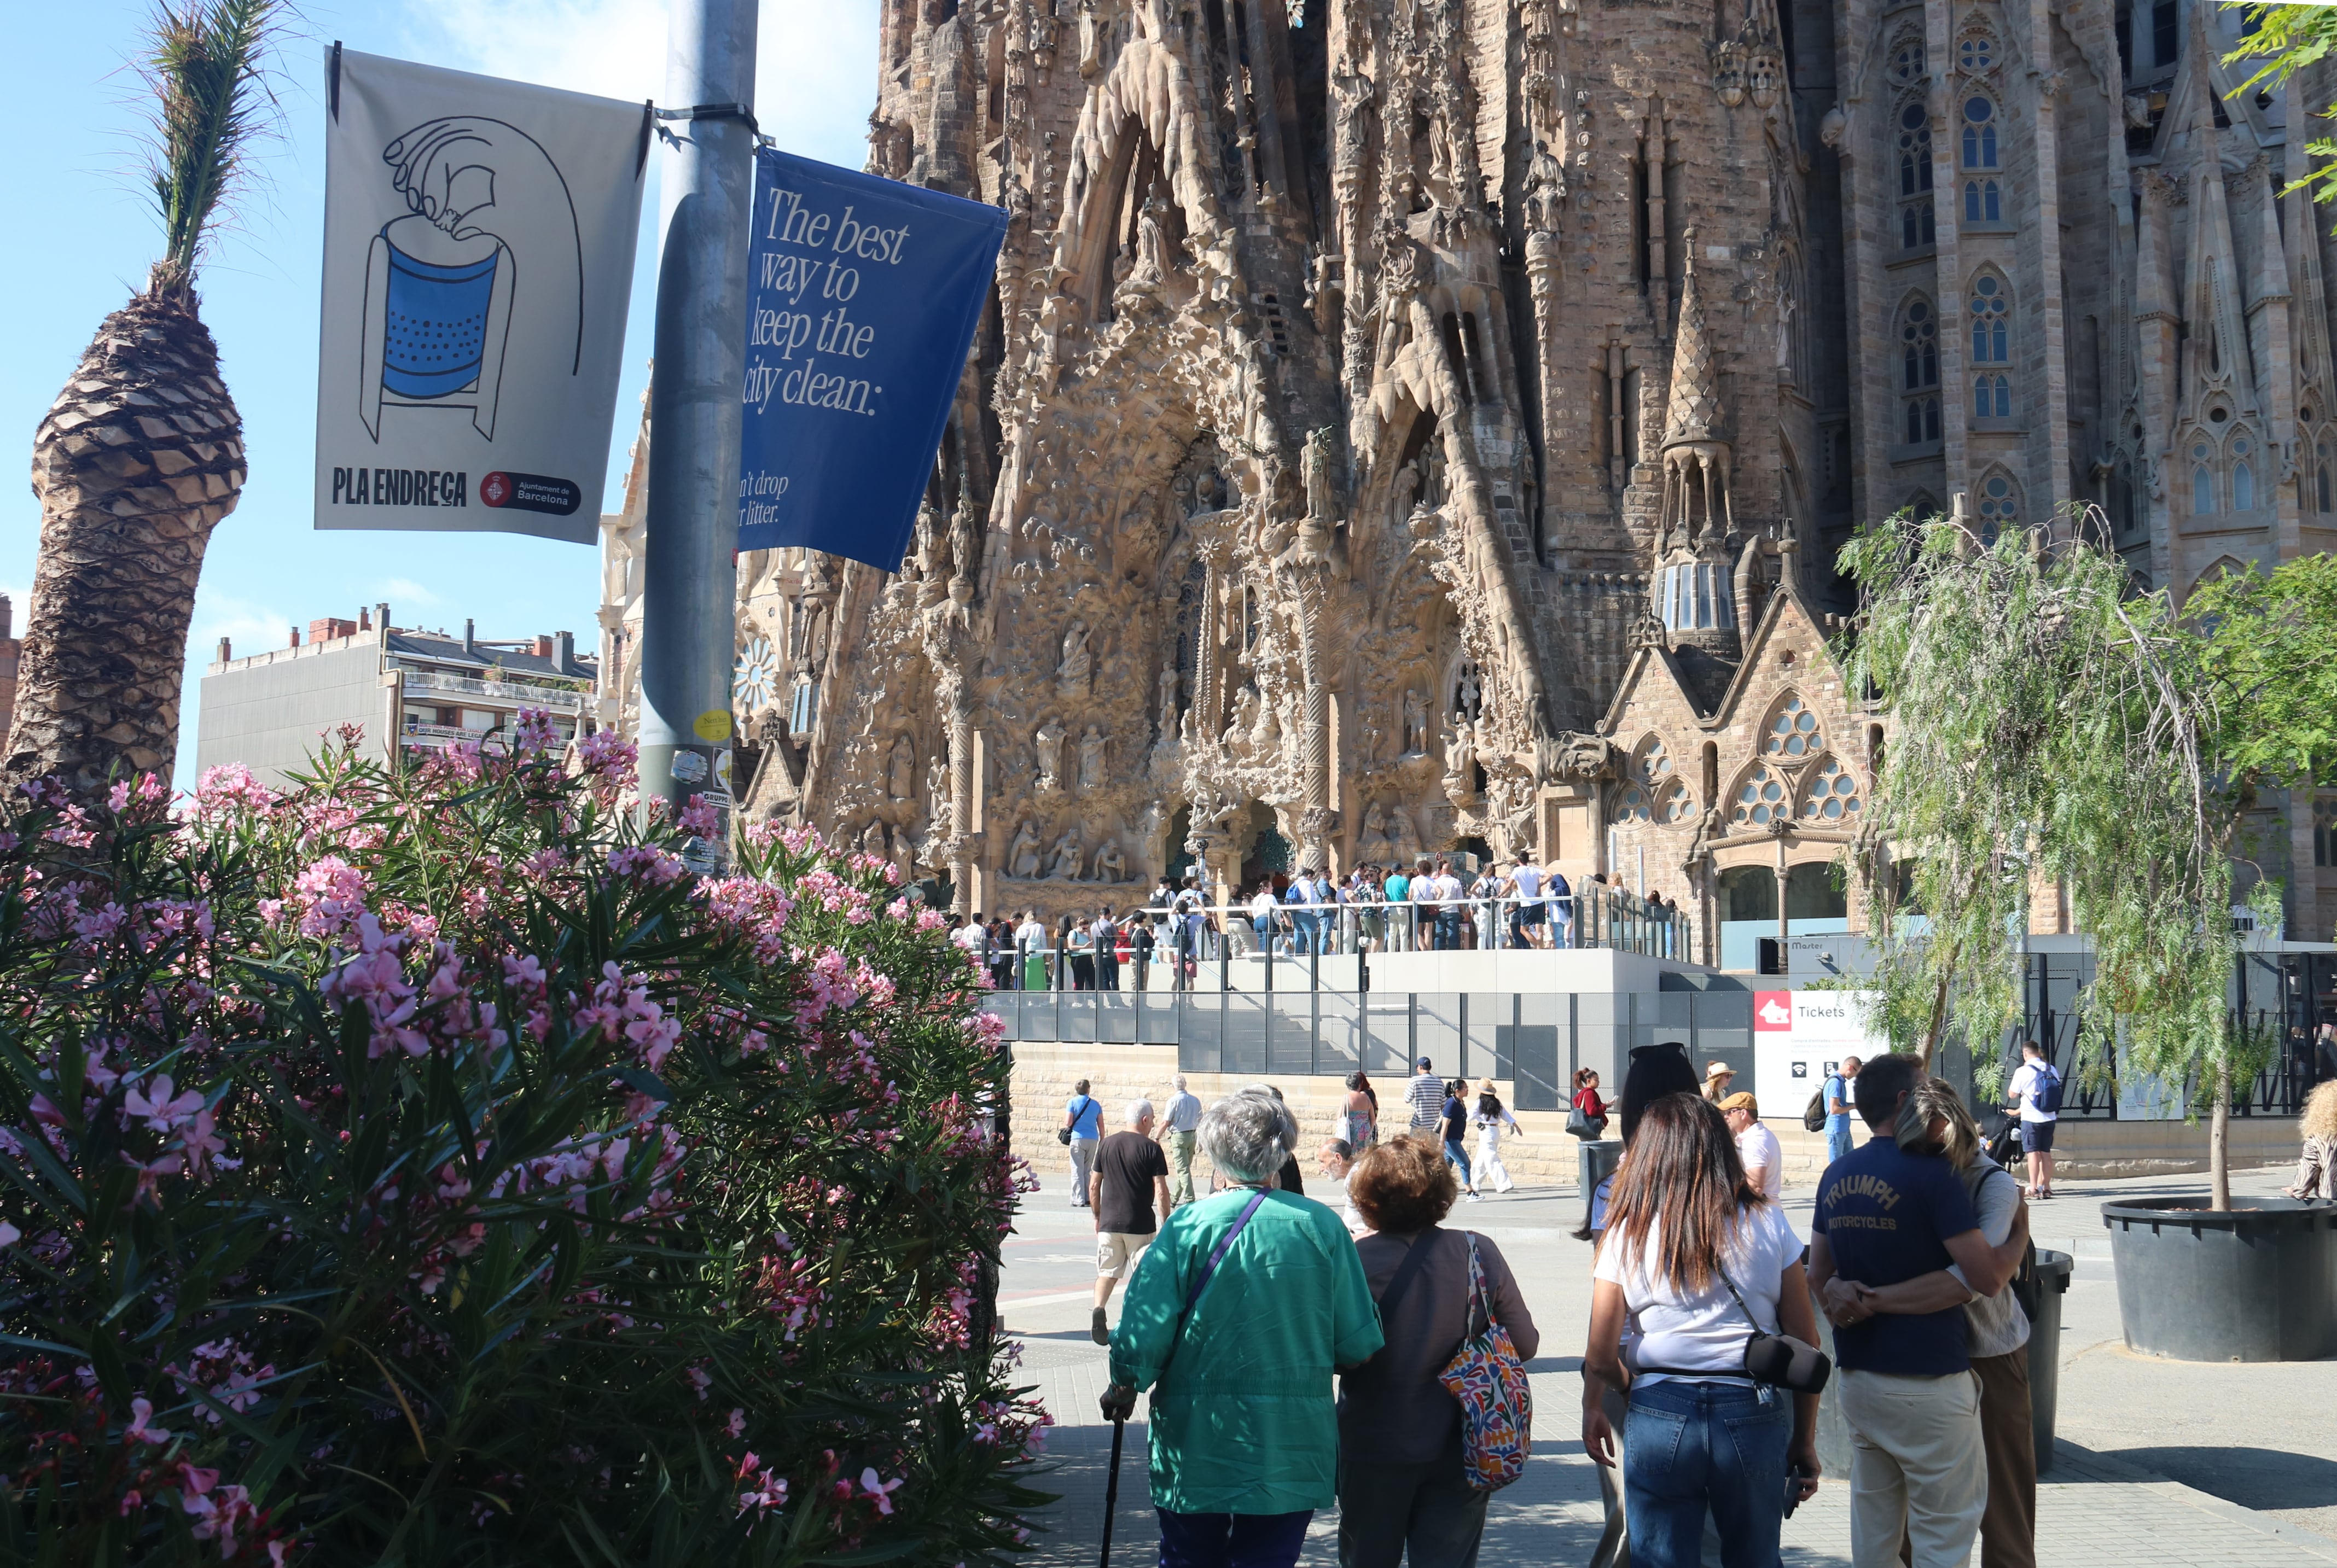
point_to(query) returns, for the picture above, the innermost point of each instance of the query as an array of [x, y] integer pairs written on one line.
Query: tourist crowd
[[1352, 1350], [1428, 907]]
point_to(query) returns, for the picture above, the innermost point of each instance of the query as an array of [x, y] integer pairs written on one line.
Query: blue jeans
[[1455, 1155], [1233, 1540], [1448, 929], [1690, 1446], [1837, 1140], [1310, 931]]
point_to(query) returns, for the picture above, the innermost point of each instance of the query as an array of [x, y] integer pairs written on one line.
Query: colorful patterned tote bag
[[1488, 1378]]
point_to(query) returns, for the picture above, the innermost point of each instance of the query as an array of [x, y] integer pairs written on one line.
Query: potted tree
[[2054, 728]]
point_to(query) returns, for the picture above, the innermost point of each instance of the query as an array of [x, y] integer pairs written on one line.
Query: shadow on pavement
[[2265, 1478]]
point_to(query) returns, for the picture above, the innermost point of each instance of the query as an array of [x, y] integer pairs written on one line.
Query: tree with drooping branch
[[2051, 727]]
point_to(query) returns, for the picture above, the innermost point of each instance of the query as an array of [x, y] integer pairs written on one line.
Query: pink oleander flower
[[879, 1492], [702, 817], [140, 1429], [156, 1105], [652, 864]]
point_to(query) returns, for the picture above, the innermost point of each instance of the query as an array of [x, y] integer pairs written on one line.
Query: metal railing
[[1535, 1040], [1195, 944], [510, 689]]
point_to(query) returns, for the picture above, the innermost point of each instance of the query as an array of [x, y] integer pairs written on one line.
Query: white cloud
[[250, 626], [403, 592], [815, 60]]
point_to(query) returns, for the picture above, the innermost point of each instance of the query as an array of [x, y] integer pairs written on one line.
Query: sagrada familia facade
[[1411, 424]]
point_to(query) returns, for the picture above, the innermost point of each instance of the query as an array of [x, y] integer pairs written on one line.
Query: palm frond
[[211, 101]]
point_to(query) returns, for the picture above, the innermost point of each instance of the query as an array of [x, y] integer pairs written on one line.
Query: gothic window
[[1761, 799], [1631, 804], [2122, 498], [1991, 397], [1907, 61], [2321, 477], [1833, 796], [2243, 487], [1979, 133], [2202, 481], [1914, 150], [1654, 792], [1918, 226], [1695, 593], [1983, 201], [1793, 731], [1990, 306], [1976, 54], [2000, 507], [1919, 370]]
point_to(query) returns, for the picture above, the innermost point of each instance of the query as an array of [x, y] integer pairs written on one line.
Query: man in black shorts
[[1130, 1179]]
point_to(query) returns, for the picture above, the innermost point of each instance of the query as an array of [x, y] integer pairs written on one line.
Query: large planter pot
[[2252, 1284]]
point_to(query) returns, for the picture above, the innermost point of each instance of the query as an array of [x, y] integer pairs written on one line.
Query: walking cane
[[1111, 1489]]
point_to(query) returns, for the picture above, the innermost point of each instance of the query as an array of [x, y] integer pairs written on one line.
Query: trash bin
[[1594, 1160], [2053, 1271]]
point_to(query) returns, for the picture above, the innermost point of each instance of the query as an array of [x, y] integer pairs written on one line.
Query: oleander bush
[[424, 1167]]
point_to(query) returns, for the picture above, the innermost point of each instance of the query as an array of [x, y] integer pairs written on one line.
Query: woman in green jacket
[[1239, 1356]]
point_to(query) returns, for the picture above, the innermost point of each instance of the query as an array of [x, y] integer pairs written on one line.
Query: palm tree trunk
[[137, 461]]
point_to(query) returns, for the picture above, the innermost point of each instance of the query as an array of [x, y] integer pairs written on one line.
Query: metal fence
[[1193, 947], [2291, 994], [1535, 1038]]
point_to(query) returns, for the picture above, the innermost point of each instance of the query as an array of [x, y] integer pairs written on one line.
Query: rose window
[[1794, 733], [1761, 799], [1834, 795]]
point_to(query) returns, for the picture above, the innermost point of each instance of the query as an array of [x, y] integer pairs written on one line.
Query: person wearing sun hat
[[1717, 1078], [1756, 1145]]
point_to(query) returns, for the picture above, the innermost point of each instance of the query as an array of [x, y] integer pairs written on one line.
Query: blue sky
[[268, 568]]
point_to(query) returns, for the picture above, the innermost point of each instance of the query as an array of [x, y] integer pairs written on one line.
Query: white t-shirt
[[1994, 1325], [1757, 1145], [973, 938], [1529, 880], [1704, 1331], [2026, 1084]]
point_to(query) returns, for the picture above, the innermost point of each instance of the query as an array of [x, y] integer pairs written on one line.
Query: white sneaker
[[1476, 1199]]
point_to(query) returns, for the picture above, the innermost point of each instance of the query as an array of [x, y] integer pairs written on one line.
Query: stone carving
[[1077, 665], [1415, 723], [1110, 864], [1091, 747], [1023, 854], [1263, 549], [1063, 859], [1049, 742], [900, 775]]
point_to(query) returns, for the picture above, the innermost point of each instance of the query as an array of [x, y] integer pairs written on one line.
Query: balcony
[[519, 693]]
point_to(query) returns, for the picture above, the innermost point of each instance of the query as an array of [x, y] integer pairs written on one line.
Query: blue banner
[[863, 295]]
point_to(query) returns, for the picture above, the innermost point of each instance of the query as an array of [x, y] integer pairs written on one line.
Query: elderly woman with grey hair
[[1245, 1306]]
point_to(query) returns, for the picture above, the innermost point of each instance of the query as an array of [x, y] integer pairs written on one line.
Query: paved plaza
[[2157, 1462]]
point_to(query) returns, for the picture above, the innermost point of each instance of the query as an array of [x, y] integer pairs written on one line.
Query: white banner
[[478, 257], [1800, 1037]]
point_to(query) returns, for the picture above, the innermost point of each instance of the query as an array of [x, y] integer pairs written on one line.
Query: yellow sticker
[[713, 724]]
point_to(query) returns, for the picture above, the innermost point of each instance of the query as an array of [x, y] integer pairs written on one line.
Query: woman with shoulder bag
[[1710, 1274], [1403, 1485]]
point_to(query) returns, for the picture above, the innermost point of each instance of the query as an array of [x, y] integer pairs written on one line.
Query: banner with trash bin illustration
[[862, 299], [479, 239]]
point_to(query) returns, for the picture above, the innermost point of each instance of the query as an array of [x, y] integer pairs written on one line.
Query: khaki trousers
[[2008, 1530], [1180, 1168], [1917, 1469]]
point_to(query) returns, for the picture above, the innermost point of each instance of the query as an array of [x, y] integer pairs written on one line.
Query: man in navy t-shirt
[[1886, 1216]]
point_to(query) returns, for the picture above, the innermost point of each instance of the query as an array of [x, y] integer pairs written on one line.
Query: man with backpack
[[1828, 1109], [2036, 1092]]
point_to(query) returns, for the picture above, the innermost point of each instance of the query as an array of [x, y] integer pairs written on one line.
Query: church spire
[[1695, 414]]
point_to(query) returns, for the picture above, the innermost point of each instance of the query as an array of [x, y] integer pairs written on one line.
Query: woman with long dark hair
[[1697, 1262]]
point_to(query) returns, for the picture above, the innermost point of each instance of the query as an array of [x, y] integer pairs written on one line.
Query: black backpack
[[1814, 1119]]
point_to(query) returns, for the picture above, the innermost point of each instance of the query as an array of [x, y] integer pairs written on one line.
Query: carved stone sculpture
[[901, 773], [1110, 864], [1023, 854], [1049, 743], [1092, 748], [1077, 667], [1063, 860]]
